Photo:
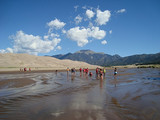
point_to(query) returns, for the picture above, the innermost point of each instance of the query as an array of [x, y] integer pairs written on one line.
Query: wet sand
[[133, 94], [15, 83]]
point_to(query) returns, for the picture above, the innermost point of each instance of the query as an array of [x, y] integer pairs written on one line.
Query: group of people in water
[[100, 73], [25, 69]]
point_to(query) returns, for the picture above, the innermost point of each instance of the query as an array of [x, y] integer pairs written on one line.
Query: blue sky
[[49, 27]]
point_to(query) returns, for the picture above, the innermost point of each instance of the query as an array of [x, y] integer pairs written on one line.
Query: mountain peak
[[103, 59], [86, 51]]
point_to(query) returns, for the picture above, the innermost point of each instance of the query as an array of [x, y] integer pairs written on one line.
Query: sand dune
[[12, 61]]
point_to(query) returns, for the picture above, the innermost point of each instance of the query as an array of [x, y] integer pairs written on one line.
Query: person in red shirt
[[80, 70], [87, 71], [25, 69]]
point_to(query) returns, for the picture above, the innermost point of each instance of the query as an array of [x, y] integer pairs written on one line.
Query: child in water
[[90, 74]]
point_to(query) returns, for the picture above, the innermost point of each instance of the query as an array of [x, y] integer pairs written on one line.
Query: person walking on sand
[[115, 71]]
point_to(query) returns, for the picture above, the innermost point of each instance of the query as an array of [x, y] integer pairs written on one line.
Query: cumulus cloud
[[121, 11], [81, 35], [64, 31], [96, 33], [57, 24], [103, 17], [104, 42], [78, 19], [8, 50], [78, 35], [90, 14], [24, 43]]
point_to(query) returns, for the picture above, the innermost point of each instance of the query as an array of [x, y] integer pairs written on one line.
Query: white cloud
[[90, 14], [78, 35], [78, 19], [103, 17], [96, 33], [121, 11], [2, 51], [64, 31], [104, 42], [24, 43], [81, 35], [57, 24], [53, 35], [46, 37], [8, 50], [90, 25], [59, 47], [110, 32]]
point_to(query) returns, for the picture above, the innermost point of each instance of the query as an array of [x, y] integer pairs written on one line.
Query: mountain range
[[103, 59]]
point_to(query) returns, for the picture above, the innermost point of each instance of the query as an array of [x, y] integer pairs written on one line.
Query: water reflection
[[115, 80], [84, 97], [101, 84]]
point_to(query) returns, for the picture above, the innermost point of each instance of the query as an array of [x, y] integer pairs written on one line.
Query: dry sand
[[13, 62]]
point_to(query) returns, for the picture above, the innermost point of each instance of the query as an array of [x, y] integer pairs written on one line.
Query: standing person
[[25, 69], [87, 71], [80, 70], [101, 74], [97, 72], [115, 71], [73, 71], [67, 70]]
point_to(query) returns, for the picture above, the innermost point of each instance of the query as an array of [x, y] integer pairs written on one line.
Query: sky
[[50, 27]]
